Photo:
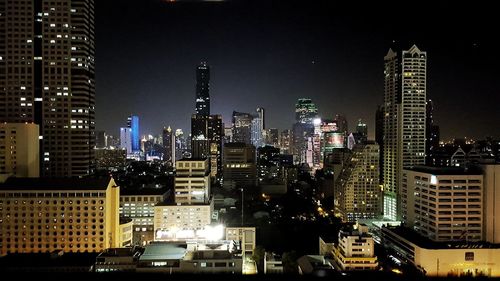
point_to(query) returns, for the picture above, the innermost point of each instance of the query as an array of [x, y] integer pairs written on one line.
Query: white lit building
[[444, 203], [192, 181], [355, 249]]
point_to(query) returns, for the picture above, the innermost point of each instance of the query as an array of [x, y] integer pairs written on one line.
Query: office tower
[[126, 139], [285, 140], [100, 139], [268, 162], [242, 127], [341, 121], [239, 165], [215, 136], [431, 134], [257, 135], [180, 144], [203, 89], [272, 137], [357, 190], [404, 120], [305, 111], [362, 131], [200, 141], [228, 134], [47, 78], [379, 138], [19, 150], [133, 125], [192, 181], [443, 203], [192, 209], [327, 127], [168, 137], [261, 115], [87, 217]]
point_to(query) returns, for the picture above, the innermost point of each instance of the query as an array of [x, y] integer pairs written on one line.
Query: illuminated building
[[192, 181], [40, 215], [269, 162], [357, 190], [126, 140], [431, 134], [47, 77], [138, 205], [285, 139], [257, 134], [404, 120], [305, 111], [355, 249], [19, 150], [180, 222], [168, 145], [203, 89], [443, 203], [239, 165], [272, 137], [133, 125], [110, 158], [245, 237], [242, 127], [442, 259], [362, 131]]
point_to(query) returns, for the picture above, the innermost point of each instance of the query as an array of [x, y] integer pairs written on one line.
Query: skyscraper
[[431, 134], [242, 127], [404, 120], [133, 125], [305, 112], [202, 89], [168, 145], [47, 78], [379, 138]]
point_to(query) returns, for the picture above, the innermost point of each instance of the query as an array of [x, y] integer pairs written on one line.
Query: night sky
[[269, 53]]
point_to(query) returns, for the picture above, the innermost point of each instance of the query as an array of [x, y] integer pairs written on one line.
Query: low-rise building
[[442, 259], [118, 259], [40, 215], [175, 221], [355, 249]]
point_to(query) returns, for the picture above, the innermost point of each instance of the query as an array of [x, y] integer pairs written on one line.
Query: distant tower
[[404, 120], [431, 134], [202, 89], [133, 125], [379, 138], [168, 138]]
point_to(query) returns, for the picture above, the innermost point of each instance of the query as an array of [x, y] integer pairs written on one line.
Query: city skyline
[[256, 62]]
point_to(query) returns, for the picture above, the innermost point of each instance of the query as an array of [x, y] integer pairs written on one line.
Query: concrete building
[[47, 59], [40, 215], [178, 222], [357, 189], [126, 232], [19, 150], [118, 260], [239, 165], [491, 195], [442, 259], [444, 203], [192, 181], [245, 236], [404, 120], [355, 249]]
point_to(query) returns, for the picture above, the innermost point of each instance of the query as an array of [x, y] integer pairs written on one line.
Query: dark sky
[[269, 53]]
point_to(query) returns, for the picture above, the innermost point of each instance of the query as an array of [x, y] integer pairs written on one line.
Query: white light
[[317, 121], [434, 179]]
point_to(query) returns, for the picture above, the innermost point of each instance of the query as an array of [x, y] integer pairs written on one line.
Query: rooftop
[[41, 260], [14, 183], [164, 251], [121, 252], [426, 243], [143, 191], [472, 170]]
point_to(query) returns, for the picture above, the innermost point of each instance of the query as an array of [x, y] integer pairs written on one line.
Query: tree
[[289, 260], [258, 257]]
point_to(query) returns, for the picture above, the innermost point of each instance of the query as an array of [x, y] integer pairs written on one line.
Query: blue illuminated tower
[[133, 124]]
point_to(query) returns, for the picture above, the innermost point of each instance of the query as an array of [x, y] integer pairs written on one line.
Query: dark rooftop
[[426, 243], [47, 260], [14, 183], [143, 191], [471, 170]]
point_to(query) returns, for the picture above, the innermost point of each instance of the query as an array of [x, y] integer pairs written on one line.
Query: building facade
[[19, 149], [73, 215], [47, 78], [192, 181], [239, 165], [404, 120]]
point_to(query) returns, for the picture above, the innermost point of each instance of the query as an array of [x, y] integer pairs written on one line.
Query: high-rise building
[[126, 139], [168, 137], [203, 89], [133, 125], [19, 151], [239, 165], [257, 135], [180, 144], [268, 162], [357, 190], [262, 116], [242, 127], [305, 111], [361, 131], [379, 138], [272, 137], [444, 203], [431, 134], [192, 181], [404, 120], [100, 139], [341, 121], [285, 141], [215, 136], [47, 78]]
